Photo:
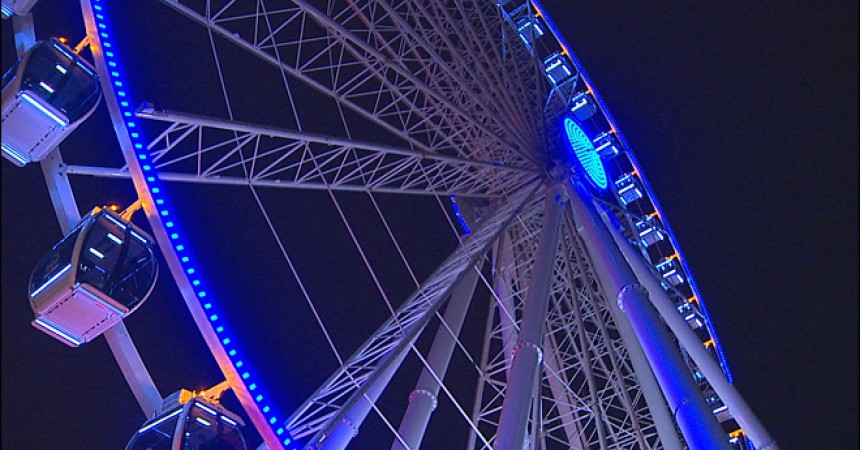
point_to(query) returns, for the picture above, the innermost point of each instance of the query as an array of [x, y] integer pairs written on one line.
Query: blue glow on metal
[[60, 69], [62, 48], [15, 154], [228, 420], [121, 225], [98, 254], [116, 240], [466, 230], [46, 87], [159, 421], [51, 280], [583, 148], [58, 331], [203, 421], [720, 354], [26, 97], [138, 237], [211, 411], [153, 184]]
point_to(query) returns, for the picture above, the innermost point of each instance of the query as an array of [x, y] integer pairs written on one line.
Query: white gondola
[[605, 146], [582, 106], [558, 68], [47, 93], [649, 231], [187, 421], [97, 275], [669, 270], [627, 189]]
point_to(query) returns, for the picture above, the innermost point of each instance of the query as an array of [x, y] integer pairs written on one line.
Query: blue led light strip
[[97, 22], [720, 355], [463, 223]]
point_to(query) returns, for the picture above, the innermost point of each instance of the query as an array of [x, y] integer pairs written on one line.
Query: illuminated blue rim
[[159, 196], [583, 148], [720, 354]]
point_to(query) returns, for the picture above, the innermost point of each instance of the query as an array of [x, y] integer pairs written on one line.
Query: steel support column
[[696, 421], [348, 427], [693, 345], [527, 354], [422, 400], [657, 406]]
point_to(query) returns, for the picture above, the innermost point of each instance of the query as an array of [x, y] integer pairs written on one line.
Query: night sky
[[744, 118]]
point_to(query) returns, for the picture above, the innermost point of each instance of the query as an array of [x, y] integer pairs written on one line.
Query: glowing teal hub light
[[585, 153]]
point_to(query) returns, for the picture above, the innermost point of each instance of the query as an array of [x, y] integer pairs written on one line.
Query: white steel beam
[[650, 389], [710, 368], [207, 150], [323, 412], [423, 399], [699, 427], [527, 355]]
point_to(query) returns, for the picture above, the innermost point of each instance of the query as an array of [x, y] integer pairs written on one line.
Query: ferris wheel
[[558, 311]]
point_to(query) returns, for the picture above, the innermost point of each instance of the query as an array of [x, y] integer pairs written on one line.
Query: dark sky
[[744, 118]]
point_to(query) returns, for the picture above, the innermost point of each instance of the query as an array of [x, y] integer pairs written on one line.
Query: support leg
[[698, 425], [527, 354], [691, 343], [422, 401]]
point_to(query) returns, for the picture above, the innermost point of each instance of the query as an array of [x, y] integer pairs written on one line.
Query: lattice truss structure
[[589, 396], [464, 99], [426, 72]]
